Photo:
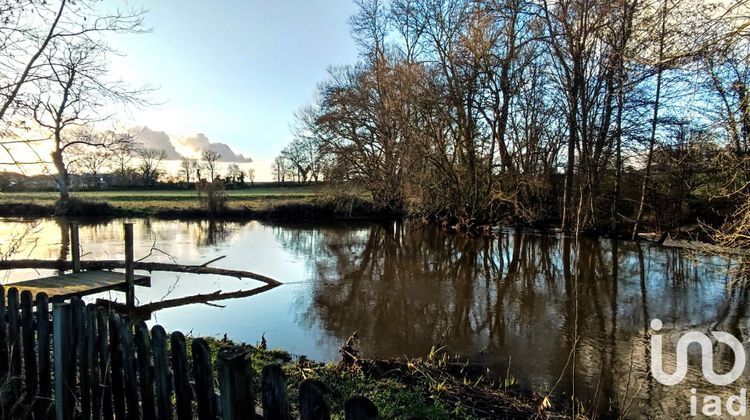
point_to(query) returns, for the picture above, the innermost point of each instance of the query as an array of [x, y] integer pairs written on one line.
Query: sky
[[232, 72]]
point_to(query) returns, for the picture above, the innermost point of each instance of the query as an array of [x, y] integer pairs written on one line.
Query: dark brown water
[[538, 307]]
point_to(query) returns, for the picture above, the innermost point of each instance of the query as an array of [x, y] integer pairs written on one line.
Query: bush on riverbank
[[432, 388]]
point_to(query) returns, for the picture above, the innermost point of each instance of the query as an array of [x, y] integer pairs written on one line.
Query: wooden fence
[[84, 362]]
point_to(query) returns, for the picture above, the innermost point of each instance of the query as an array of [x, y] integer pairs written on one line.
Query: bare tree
[[150, 166], [251, 176], [188, 166], [210, 161]]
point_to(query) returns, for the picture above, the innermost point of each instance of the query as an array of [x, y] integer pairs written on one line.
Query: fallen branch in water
[[206, 298], [138, 265]]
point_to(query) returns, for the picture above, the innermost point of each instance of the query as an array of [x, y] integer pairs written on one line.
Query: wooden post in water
[[75, 247], [130, 292]]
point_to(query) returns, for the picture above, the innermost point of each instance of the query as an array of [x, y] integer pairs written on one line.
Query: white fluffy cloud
[[196, 143], [188, 146]]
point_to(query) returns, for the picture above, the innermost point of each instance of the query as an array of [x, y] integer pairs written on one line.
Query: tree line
[[605, 115]]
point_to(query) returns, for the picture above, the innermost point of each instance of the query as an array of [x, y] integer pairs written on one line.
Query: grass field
[[148, 200], [247, 202]]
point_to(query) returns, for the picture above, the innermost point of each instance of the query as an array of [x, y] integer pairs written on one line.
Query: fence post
[[14, 342], [182, 392], [75, 247], [29, 347], [4, 366], [130, 291], [312, 405], [274, 395], [204, 382], [43, 331], [93, 363], [162, 378], [116, 363], [63, 356], [145, 375], [236, 385], [360, 408], [102, 344]]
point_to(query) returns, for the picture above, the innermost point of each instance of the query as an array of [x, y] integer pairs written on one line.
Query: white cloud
[[191, 146], [197, 143]]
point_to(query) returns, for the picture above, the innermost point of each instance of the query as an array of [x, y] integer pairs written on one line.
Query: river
[[532, 306]]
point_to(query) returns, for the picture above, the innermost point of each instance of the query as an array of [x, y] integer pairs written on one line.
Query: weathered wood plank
[[102, 346], [43, 330], [93, 362], [116, 374], [64, 375], [236, 385], [129, 275], [29, 346], [66, 286], [145, 374], [14, 342], [80, 333], [182, 391], [274, 394], [162, 379], [312, 404], [129, 369], [360, 408], [204, 382], [4, 362]]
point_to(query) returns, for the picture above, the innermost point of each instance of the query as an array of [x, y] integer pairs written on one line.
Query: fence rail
[[84, 362]]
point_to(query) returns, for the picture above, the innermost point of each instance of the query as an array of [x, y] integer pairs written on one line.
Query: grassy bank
[[308, 202], [436, 387]]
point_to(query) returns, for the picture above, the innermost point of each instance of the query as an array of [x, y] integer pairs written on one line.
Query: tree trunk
[[61, 178], [652, 139]]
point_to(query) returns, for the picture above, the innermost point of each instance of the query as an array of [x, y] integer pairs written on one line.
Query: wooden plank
[[43, 404], [204, 382], [66, 286], [4, 363], [128, 368], [14, 342], [360, 408], [93, 362], [161, 372], [80, 325], [312, 405], [236, 385], [145, 375], [43, 330], [274, 394], [102, 346], [29, 346], [182, 391], [116, 362], [64, 386]]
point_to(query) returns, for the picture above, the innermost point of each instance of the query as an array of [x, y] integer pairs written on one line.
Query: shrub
[[212, 196]]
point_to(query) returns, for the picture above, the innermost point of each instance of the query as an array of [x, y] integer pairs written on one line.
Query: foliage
[[212, 196]]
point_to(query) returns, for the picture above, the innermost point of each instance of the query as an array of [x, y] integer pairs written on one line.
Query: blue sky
[[234, 70]]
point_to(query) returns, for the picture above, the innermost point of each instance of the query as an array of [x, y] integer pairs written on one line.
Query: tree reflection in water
[[522, 299]]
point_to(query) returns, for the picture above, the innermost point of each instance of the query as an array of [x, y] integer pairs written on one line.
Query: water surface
[[533, 305]]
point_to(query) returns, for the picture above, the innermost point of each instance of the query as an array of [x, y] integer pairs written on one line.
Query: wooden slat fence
[[83, 362]]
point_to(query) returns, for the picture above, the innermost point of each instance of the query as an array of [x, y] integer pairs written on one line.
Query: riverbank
[[281, 203], [436, 387]]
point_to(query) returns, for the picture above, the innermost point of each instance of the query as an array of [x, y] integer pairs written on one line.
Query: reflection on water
[[554, 312]]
